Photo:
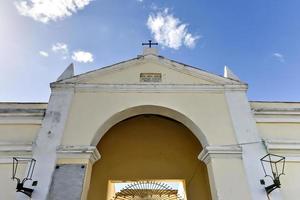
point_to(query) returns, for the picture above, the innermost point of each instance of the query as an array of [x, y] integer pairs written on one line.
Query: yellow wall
[[19, 133], [290, 132], [7, 185], [230, 179], [89, 111], [290, 181], [131, 75], [279, 131], [150, 147]]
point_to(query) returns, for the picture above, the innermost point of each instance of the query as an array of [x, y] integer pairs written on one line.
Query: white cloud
[[279, 57], [47, 10], [190, 41], [82, 56], [44, 53], [170, 31], [60, 48]]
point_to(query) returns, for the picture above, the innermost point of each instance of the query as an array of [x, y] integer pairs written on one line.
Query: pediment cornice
[[173, 66]]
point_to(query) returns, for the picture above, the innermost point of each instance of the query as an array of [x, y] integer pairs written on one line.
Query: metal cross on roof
[[150, 43]]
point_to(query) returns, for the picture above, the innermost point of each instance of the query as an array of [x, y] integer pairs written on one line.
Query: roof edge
[[140, 57]]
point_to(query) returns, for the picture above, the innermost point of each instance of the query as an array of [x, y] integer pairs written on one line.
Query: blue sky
[[257, 39]]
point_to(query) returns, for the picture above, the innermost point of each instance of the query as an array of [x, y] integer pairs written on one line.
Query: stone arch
[[150, 109], [149, 147]]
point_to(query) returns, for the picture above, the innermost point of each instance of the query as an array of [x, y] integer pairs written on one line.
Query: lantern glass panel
[[21, 165], [273, 165]]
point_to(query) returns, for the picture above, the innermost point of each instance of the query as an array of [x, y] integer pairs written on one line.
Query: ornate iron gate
[[147, 190]]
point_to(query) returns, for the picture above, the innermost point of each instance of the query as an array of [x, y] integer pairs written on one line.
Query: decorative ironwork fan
[[147, 190]]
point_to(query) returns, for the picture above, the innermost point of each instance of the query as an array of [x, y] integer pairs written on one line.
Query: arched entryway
[[149, 147]]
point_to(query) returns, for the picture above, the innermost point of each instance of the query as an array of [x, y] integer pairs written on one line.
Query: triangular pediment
[[150, 69]]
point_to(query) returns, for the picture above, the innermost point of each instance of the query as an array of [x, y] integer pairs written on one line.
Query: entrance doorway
[[149, 148]]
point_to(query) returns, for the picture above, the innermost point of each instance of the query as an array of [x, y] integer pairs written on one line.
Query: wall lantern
[[274, 164], [21, 181]]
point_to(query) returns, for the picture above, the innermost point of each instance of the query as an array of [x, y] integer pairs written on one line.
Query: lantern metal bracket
[[273, 160], [21, 181], [274, 186]]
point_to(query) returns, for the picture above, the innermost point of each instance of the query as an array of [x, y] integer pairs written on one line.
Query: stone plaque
[[150, 77], [67, 182]]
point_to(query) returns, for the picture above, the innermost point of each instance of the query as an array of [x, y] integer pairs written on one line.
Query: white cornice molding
[[276, 119], [215, 151], [278, 112], [79, 152], [151, 88], [287, 148], [192, 71], [282, 144], [21, 120], [10, 149], [277, 115], [15, 147], [21, 116], [101, 71], [151, 58]]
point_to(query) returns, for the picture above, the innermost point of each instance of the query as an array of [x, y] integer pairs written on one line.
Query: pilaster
[[246, 132], [47, 141], [226, 172]]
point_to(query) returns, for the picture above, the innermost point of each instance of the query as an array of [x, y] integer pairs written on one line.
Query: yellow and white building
[[149, 119]]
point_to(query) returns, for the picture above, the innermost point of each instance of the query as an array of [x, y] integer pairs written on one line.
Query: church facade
[[150, 128]]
